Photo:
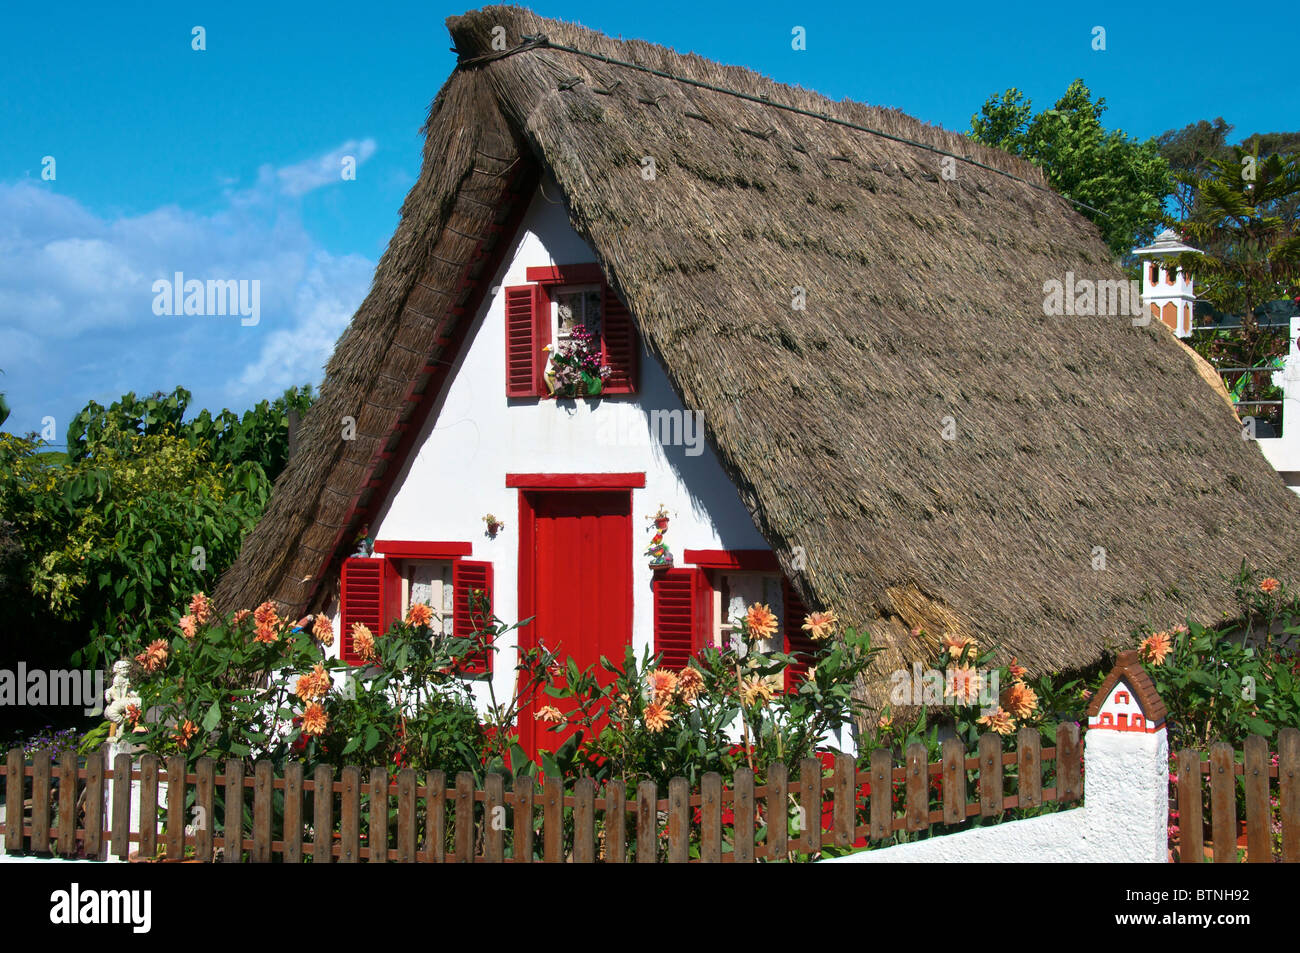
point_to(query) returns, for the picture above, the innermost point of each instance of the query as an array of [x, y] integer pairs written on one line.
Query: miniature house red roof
[[1128, 668]]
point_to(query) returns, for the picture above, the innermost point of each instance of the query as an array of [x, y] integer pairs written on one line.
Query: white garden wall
[[1123, 818]]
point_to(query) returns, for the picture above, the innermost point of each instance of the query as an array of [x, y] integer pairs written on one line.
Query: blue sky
[[224, 163]]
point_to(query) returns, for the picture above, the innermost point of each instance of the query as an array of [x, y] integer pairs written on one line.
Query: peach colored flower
[[657, 717], [267, 622], [200, 608], [240, 616], [662, 684], [265, 614], [1020, 700], [963, 684], [1017, 671], [314, 685], [133, 714], [188, 628], [154, 657], [1155, 647], [1085, 693], [314, 719], [956, 644], [755, 690], [689, 684], [1269, 586], [322, 629], [419, 615], [550, 714], [999, 722], [885, 721], [185, 733], [761, 621], [363, 642], [819, 625]]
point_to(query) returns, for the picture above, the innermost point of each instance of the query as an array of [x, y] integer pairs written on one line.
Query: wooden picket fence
[[845, 808], [1255, 768]]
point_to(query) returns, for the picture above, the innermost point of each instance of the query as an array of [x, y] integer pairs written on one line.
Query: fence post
[[1223, 803], [616, 822], [954, 781], [743, 813], [1259, 848], [711, 818], [584, 821], [204, 787], [406, 815], [95, 804], [1288, 785], [1190, 839], [293, 812], [322, 810], [778, 813], [41, 801], [377, 832], [15, 791], [679, 821], [523, 846], [67, 840], [176, 807], [647, 823]]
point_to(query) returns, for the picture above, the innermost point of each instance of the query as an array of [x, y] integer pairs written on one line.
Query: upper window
[[568, 334]]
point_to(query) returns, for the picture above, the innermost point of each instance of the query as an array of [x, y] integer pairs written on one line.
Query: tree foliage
[[97, 546], [1124, 181], [1239, 219]]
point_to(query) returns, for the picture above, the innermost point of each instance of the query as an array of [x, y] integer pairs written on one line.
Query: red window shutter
[[471, 617], [621, 351], [797, 642], [370, 594], [683, 615], [528, 330]]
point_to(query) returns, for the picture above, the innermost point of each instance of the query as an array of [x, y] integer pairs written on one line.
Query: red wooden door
[[576, 580]]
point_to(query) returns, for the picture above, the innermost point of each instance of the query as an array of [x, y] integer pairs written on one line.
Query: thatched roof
[[924, 301]]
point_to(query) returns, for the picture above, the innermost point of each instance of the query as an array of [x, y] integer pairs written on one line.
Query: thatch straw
[[924, 300]]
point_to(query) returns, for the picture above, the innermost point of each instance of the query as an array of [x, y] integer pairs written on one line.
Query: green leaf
[[213, 717]]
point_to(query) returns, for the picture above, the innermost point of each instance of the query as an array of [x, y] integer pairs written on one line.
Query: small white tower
[[1168, 295]]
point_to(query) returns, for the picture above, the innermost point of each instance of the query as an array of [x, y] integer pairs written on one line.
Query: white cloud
[[76, 314], [303, 177]]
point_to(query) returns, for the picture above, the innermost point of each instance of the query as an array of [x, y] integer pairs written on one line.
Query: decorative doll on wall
[[660, 557], [365, 545]]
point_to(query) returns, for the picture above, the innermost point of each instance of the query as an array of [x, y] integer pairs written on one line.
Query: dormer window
[[541, 320]]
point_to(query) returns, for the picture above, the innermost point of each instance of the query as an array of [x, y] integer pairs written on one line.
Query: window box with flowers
[[569, 336]]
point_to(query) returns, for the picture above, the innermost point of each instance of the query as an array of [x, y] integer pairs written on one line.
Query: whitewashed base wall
[[1123, 819]]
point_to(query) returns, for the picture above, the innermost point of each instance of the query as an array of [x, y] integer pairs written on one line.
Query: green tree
[[1239, 219], [1124, 181], [100, 546]]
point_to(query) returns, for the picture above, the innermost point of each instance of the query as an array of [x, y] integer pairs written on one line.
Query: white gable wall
[[477, 436]]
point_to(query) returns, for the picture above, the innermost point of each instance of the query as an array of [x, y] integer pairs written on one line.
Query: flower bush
[[576, 365], [724, 710]]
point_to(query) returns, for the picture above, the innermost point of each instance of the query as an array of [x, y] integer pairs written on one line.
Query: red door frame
[[536, 483]]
